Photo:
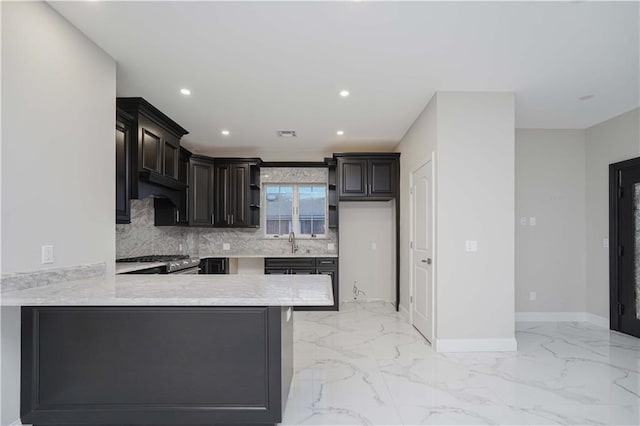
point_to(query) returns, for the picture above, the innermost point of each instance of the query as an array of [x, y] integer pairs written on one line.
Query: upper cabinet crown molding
[[139, 105]]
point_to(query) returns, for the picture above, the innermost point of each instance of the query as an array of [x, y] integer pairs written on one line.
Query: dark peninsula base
[[155, 365]]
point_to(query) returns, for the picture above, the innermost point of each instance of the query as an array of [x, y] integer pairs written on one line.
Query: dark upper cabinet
[[201, 191], [353, 172], [166, 211], [155, 149], [236, 191], [369, 176], [123, 166]]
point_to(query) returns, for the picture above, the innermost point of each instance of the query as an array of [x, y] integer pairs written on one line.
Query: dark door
[[239, 192], [353, 177], [201, 190], [150, 148], [222, 202], [382, 181], [171, 157], [626, 248]]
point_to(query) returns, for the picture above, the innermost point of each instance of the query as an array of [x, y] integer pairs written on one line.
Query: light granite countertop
[[179, 290]]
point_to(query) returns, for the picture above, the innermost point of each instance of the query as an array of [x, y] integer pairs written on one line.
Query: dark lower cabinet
[[307, 265], [214, 265], [130, 365]]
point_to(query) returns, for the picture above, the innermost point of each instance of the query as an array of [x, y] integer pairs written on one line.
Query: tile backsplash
[[141, 237]]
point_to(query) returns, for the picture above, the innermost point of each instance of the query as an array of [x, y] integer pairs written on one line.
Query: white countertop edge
[[180, 290]]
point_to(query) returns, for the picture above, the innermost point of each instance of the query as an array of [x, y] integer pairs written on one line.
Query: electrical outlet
[[47, 254], [532, 295], [605, 243], [532, 221], [180, 247], [374, 246], [523, 221], [470, 246], [226, 246], [331, 246]]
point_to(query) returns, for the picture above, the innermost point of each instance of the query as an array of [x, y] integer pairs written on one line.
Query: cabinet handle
[[177, 215], [232, 218], [212, 218]]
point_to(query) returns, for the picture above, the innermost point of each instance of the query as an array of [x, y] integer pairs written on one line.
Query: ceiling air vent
[[286, 133]]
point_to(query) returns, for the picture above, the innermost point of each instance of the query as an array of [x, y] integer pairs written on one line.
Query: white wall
[[475, 185], [551, 186], [416, 148], [614, 140], [473, 137], [58, 114], [363, 224]]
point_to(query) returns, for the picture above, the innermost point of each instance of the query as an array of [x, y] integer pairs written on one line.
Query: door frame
[[615, 170], [434, 255]]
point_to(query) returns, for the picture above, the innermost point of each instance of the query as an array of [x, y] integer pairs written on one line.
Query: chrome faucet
[[292, 240]]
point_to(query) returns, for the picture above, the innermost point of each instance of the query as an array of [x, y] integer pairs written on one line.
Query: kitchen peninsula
[[161, 349]]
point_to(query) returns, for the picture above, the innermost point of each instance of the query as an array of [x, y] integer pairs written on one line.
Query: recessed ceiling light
[[340, 132], [586, 97], [344, 93], [225, 133], [185, 91]]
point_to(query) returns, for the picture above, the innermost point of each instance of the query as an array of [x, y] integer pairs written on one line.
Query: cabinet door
[[171, 157], [222, 202], [123, 171], [183, 177], [201, 190], [382, 177], [353, 177], [239, 195], [149, 150]]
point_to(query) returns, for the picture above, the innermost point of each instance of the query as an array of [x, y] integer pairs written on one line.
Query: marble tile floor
[[367, 365]]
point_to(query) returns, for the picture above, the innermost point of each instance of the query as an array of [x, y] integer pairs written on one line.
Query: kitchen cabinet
[[237, 193], [124, 123], [332, 193], [201, 191], [214, 265], [369, 176], [155, 149], [306, 265], [166, 212]]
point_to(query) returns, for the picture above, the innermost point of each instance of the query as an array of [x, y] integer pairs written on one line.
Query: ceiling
[[254, 68]]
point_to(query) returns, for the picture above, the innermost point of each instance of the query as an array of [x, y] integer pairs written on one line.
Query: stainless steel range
[[172, 264]]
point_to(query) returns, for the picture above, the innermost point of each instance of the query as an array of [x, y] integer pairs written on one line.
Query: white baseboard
[[476, 345], [16, 423], [562, 317], [597, 320], [404, 312]]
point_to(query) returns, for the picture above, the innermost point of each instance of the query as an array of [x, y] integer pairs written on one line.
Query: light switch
[[47, 254], [226, 246], [374, 246], [532, 295], [471, 246], [331, 246], [523, 221], [532, 221]]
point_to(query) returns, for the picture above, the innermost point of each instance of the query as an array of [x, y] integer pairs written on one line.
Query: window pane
[[311, 209], [279, 209]]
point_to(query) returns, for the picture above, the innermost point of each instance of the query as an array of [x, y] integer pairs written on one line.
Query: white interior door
[[422, 250]]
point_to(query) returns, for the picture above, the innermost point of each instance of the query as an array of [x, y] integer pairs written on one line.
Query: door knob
[[427, 261]]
